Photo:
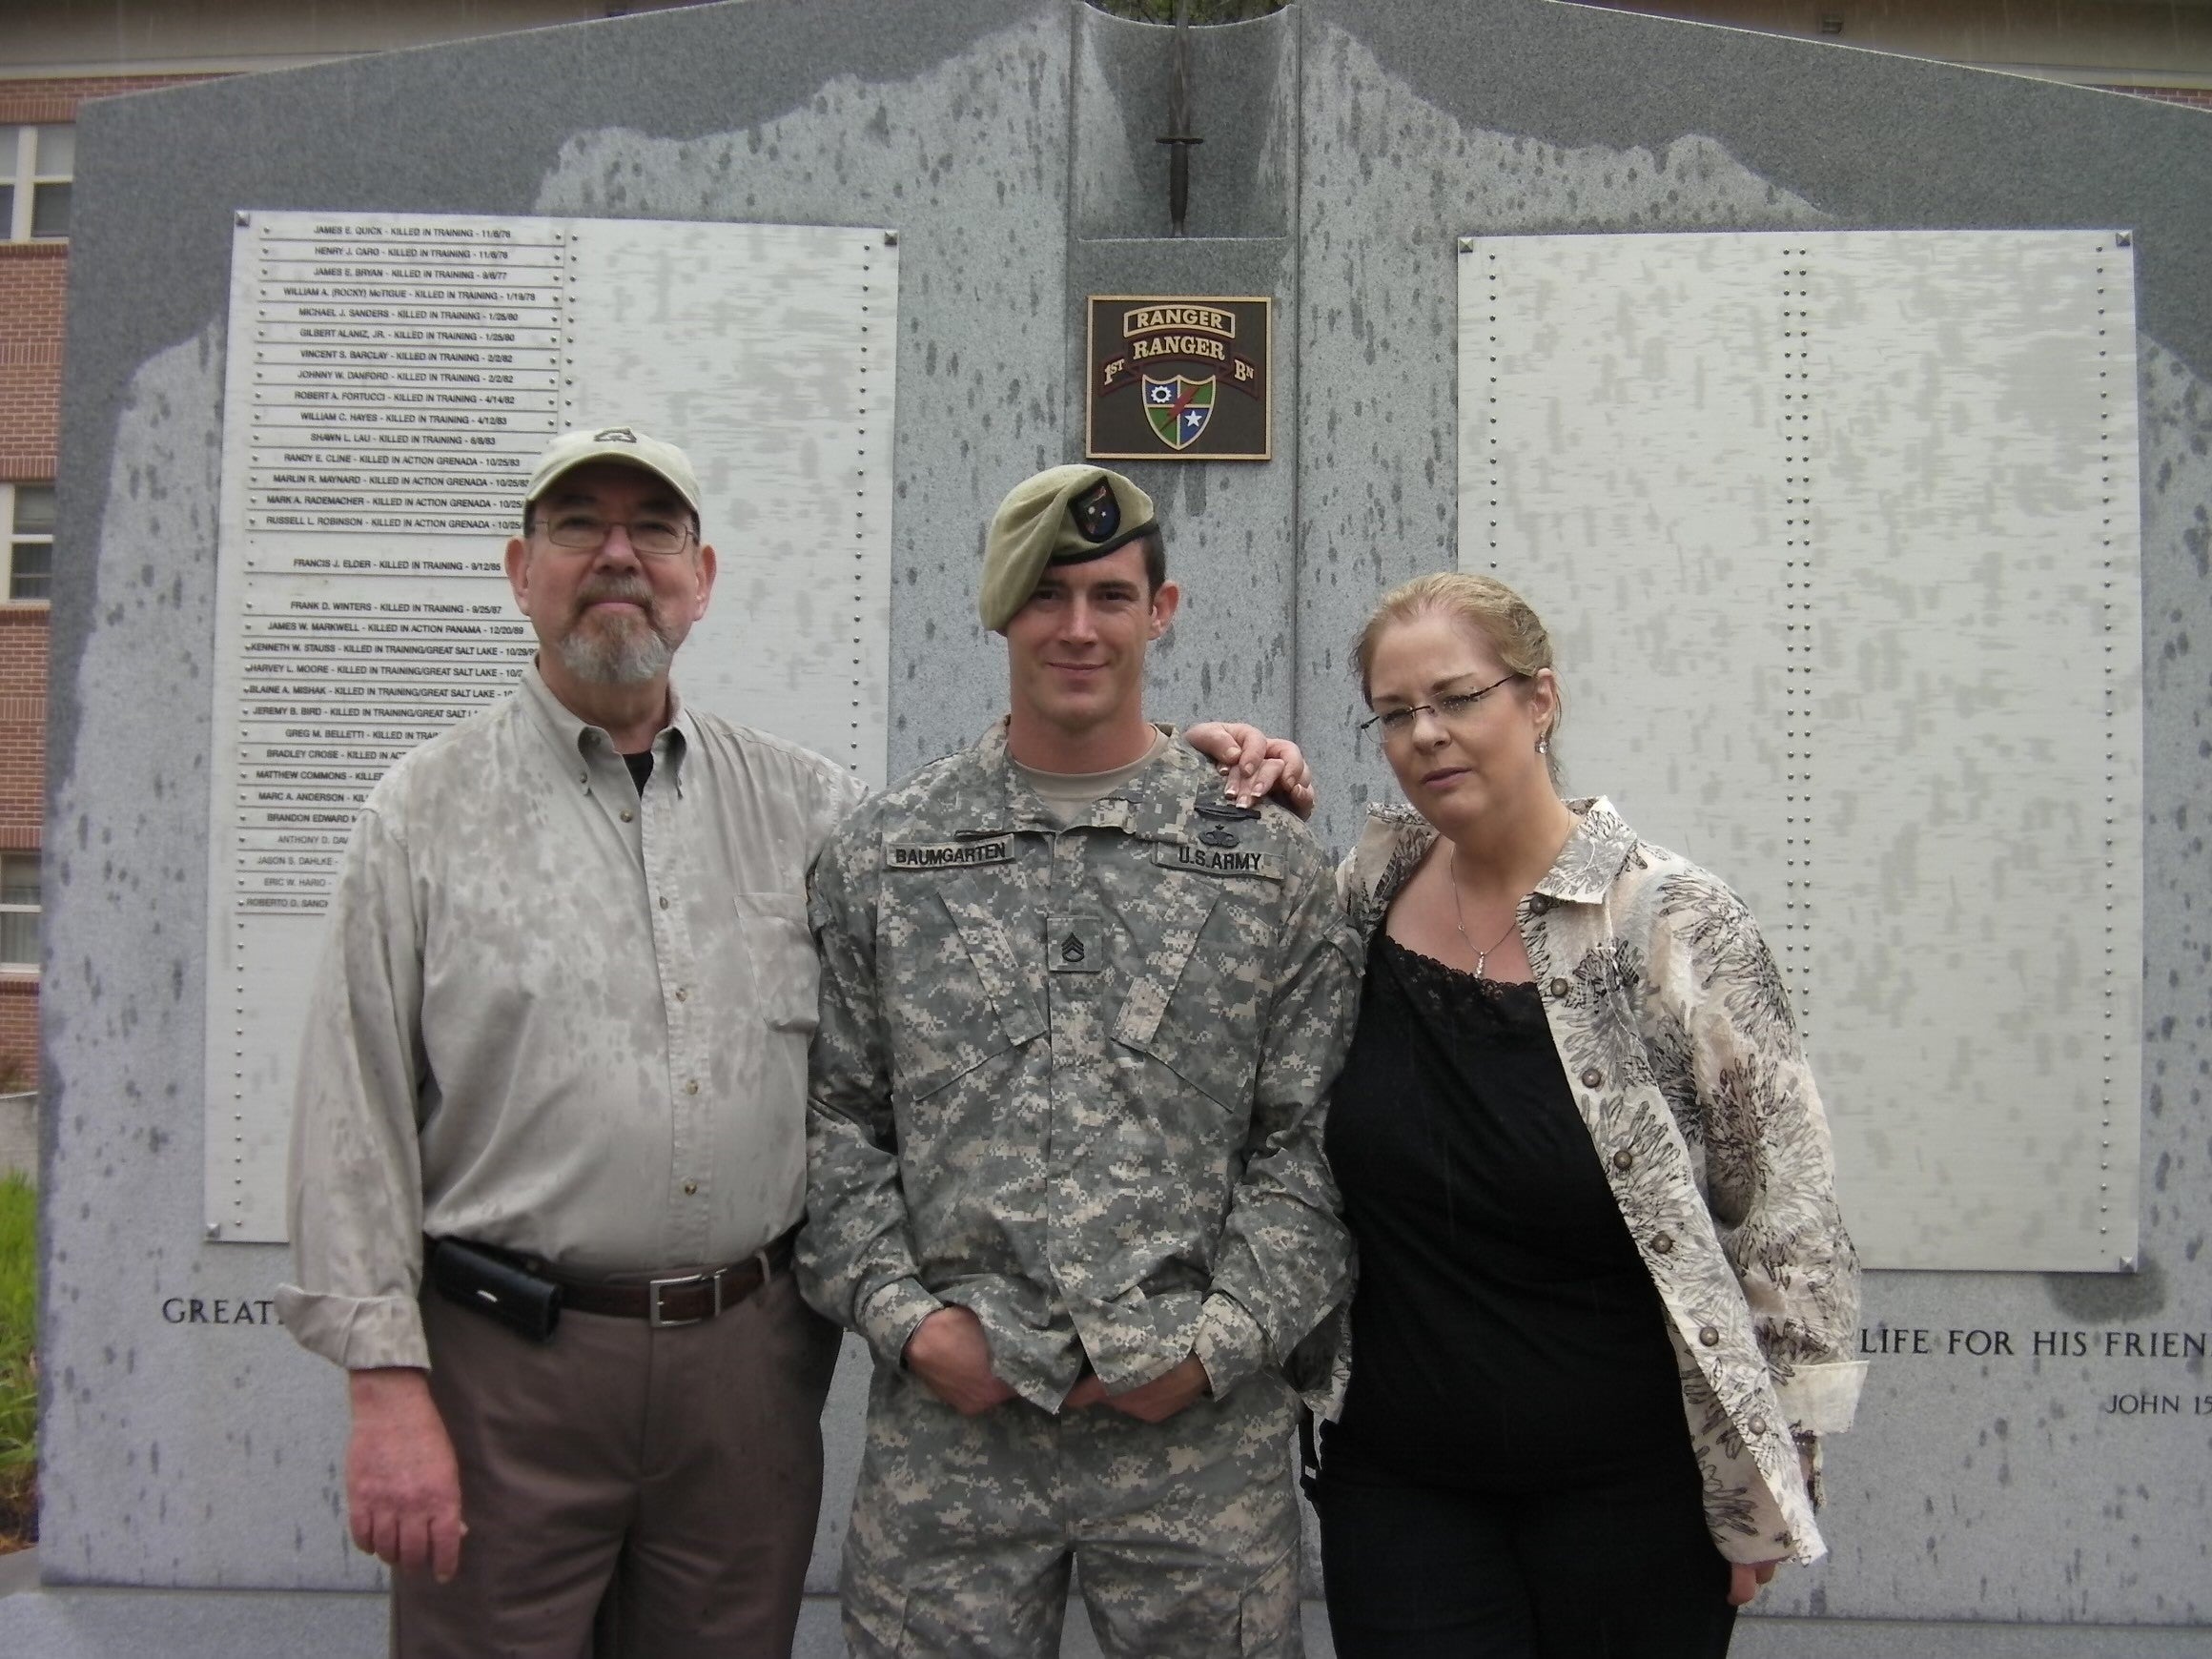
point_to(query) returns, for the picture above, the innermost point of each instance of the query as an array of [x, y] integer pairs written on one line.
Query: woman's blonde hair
[[1515, 632]]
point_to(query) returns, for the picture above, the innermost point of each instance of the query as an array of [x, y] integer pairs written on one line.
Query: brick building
[[55, 53]]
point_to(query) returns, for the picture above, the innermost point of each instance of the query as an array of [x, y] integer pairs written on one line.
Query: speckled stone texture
[[1348, 144]]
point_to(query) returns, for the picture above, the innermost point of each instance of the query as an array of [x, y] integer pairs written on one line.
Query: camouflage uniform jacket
[[1674, 1030], [1073, 1078]]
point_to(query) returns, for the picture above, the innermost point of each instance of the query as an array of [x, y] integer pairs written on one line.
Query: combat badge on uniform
[[1217, 849]]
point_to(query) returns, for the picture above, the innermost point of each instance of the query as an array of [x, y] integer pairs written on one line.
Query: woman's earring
[[1543, 745]]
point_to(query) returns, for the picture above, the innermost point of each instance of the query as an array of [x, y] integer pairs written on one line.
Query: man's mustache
[[623, 591]]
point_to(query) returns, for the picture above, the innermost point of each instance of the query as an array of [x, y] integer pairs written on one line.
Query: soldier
[[1077, 1013]]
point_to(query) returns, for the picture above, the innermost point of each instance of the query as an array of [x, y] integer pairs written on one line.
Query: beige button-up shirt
[[557, 1015]]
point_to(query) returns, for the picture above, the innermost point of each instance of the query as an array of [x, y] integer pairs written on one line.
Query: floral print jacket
[[1673, 1027]]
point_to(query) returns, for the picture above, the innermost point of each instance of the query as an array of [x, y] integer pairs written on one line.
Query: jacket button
[[1663, 1244], [1559, 989], [1757, 1426], [1592, 1076], [1710, 1336], [1624, 1161]]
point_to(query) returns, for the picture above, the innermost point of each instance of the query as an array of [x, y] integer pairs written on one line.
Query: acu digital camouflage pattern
[[1188, 1530], [1073, 1078], [1676, 1036]]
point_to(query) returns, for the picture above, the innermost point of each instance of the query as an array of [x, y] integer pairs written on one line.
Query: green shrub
[[18, 1362]]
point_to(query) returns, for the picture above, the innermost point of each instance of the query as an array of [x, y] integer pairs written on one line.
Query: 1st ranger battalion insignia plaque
[[1178, 379]]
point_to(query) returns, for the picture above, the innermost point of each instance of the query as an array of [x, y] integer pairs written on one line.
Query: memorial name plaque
[[404, 375], [391, 381], [1820, 520]]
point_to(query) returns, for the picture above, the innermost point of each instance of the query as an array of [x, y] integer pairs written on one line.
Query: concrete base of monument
[[67, 1622]]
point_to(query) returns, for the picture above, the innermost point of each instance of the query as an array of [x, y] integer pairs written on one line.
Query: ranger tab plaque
[[1178, 378]]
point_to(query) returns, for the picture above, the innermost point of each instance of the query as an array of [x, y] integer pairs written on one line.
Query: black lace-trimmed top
[[1504, 1335]]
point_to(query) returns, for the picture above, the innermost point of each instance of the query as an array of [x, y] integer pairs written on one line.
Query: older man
[[552, 1064], [549, 1147], [1079, 1009]]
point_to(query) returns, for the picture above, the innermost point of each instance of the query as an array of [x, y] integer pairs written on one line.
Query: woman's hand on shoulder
[[1254, 765]]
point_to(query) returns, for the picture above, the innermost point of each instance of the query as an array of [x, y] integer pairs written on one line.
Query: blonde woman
[[1606, 1299]]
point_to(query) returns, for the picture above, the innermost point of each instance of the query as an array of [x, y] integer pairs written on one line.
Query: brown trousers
[[627, 1491]]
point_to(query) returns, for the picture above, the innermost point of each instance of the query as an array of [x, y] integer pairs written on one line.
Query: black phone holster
[[494, 1284]]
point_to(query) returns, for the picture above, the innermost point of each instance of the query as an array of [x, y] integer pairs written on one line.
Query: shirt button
[[1559, 989], [693, 1087], [690, 1187], [1710, 1336], [1757, 1426], [1624, 1161], [683, 994], [583, 777], [1664, 1244], [664, 904], [628, 814], [1592, 1076]]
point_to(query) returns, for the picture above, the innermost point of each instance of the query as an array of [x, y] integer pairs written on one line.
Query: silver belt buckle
[[658, 1321]]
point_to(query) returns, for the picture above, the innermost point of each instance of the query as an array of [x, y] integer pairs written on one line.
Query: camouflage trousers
[[1185, 1533]]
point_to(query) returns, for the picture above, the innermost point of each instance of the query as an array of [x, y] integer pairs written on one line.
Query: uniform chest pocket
[[781, 952], [1196, 1002], [955, 996]]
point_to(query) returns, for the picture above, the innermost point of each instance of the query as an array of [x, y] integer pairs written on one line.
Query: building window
[[27, 516], [19, 911], [36, 164]]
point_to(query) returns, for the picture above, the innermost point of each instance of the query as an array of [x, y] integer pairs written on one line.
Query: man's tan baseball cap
[[1065, 514], [627, 444]]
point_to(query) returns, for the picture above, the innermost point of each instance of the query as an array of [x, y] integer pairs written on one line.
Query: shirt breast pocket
[[962, 996], [1196, 1003], [785, 971]]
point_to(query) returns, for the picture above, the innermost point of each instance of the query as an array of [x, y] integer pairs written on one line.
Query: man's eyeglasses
[[1399, 722], [587, 533]]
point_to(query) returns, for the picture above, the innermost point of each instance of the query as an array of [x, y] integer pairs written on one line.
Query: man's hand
[[402, 1484], [1744, 1577], [951, 1355], [1153, 1402], [1252, 764]]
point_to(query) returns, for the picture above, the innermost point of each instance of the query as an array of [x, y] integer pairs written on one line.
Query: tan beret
[[1065, 514]]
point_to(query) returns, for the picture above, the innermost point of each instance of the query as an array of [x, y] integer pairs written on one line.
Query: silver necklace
[[1459, 922]]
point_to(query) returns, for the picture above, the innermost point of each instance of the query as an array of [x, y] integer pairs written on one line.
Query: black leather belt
[[685, 1299]]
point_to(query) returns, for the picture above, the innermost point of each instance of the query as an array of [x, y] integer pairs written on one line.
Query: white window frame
[[11, 539], [19, 166], [34, 911]]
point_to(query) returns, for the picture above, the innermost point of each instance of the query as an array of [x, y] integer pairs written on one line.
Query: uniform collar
[[1156, 803]]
